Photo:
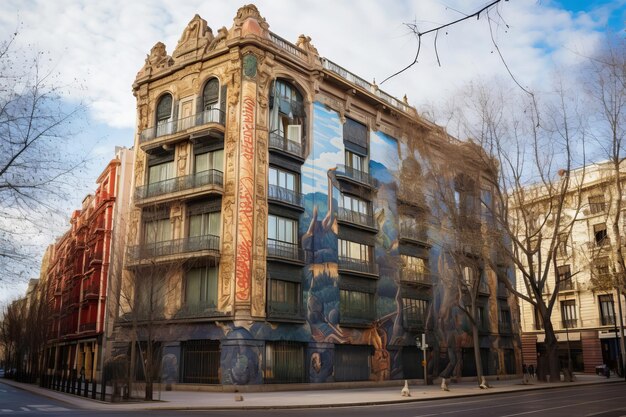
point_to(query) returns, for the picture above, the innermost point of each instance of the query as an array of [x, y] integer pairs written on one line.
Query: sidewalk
[[186, 400]]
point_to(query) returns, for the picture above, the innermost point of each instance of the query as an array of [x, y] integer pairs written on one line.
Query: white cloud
[[98, 47], [104, 44]]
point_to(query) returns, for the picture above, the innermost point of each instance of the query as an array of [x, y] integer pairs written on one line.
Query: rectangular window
[[209, 161], [601, 267], [355, 204], [161, 172], [600, 234], [282, 229], [201, 288], [504, 321], [596, 204], [415, 312], [283, 179], [354, 251], [414, 269], [356, 305], [564, 278], [282, 237], [568, 313], [157, 231], [204, 224], [356, 162], [284, 298], [607, 310], [562, 244], [538, 321], [481, 319]]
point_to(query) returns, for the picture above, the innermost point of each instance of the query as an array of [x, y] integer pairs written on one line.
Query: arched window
[[210, 101], [163, 115], [287, 118]]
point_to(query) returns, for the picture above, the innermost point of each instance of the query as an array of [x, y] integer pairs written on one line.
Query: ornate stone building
[[284, 226]]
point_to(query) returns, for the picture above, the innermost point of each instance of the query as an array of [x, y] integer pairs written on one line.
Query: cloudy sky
[[98, 46]]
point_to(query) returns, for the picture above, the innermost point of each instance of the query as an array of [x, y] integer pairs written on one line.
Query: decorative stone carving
[[157, 59], [195, 36], [249, 22], [304, 42], [182, 160], [222, 34]]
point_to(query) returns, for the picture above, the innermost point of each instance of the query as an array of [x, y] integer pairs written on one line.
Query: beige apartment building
[[586, 316]]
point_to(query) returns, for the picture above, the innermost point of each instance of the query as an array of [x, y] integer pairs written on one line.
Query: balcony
[[169, 250], [354, 175], [357, 266], [567, 285], [408, 276], [175, 130], [356, 218], [286, 146], [284, 251], [179, 187], [284, 195], [413, 322], [287, 310], [198, 311], [569, 323], [87, 327], [413, 233]]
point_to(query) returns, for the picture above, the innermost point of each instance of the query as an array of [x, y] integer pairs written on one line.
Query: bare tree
[[532, 199], [606, 86], [35, 163]]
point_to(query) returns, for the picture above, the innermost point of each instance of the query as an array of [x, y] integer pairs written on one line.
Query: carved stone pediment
[[197, 35], [157, 59]]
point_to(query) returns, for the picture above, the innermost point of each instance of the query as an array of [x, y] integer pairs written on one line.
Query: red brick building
[[83, 266]]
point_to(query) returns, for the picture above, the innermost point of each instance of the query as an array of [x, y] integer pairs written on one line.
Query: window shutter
[[294, 133], [355, 137]]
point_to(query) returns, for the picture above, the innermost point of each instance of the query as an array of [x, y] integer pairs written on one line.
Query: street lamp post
[[420, 342]]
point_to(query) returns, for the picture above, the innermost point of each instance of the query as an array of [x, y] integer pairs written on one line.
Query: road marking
[[554, 408], [25, 408], [605, 412], [6, 410]]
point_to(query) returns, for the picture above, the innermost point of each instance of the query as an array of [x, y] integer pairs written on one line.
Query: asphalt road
[[593, 400]]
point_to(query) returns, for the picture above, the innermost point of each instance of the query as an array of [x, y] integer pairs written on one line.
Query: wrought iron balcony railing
[[173, 247], [284, 250], [283, 144], [569, 323], [186, 182], [274, 192], [179, 125], [415, 277], [358, 265], [361, 177], [356, 217], [413, 232]]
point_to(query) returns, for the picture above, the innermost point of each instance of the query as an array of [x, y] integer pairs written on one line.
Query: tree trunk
[[477, 358], [553, 367]]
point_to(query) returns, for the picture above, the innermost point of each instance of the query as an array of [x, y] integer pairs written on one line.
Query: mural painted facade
[[329, 257]]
